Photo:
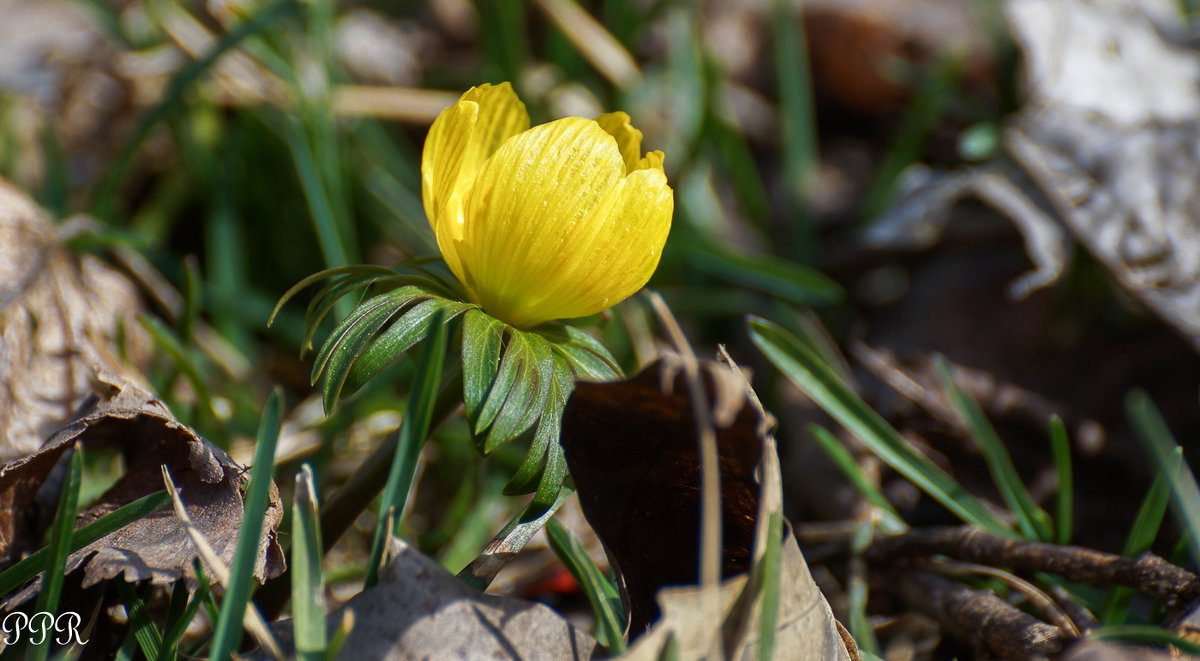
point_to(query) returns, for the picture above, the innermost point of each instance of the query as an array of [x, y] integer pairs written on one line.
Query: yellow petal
[[616, 261], [554, 229], [459, 142], [629, 139]]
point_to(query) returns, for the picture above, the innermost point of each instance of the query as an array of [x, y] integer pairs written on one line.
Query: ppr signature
[[40, 625]]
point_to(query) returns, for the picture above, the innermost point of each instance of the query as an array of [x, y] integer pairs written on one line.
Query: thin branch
[[979, 618], [1038, 598], [1148, 573]]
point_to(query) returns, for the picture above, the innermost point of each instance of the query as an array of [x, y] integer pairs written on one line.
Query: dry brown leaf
[[806, 629], [156, 548], [421, 611], [1109, 135], [59, 315], [631, 447]]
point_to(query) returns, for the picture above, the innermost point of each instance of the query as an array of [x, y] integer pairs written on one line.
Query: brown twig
[[1147, 573], [979, 618], [1040, 600], [1082, 617]]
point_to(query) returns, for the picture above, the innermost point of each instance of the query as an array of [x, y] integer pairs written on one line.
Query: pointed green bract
[[587, 357], [528, 475], [515, 382], [529, 366], [553, 475], [483, 337], [405, 333]]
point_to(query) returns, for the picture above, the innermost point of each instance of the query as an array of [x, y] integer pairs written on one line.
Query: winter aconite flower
[[560, 220]]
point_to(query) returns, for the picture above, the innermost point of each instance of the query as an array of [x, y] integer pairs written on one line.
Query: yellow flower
[[561, 220]]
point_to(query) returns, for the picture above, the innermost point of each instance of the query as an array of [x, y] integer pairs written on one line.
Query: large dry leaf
[[805, 630], [1109, 136], [59, 317], [421, 611], [156, 548], [632, 451]]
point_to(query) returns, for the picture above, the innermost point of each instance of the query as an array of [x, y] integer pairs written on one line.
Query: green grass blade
[[1153, 431], [857, 587], [474, 530], [55, 191], [932, 96], [771, 569], [176, 610], [169, 650], [1145, 633], [30, 566], [1142, 533], [506, 41], [781, 278], [226, 264], [193, 299], [227, 632], [600, 593], [1033, 522], [1060, 446], [338, 638], [204, 592], [139, 620], [891, 521], [60, 543], [414, 429], [740, 167], [126, 652], [797, 115], [804, 368], [308, 584], [327, 224], [182, 359]]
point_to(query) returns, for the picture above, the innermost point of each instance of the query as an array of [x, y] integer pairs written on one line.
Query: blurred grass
[[263, 195]]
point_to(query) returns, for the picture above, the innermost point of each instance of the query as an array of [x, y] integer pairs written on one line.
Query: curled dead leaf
[[125, 416], [632, 451], [805, 629], [631, 448]]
